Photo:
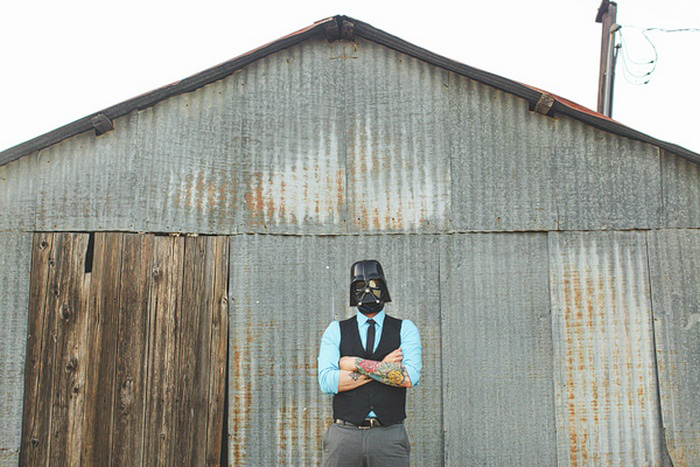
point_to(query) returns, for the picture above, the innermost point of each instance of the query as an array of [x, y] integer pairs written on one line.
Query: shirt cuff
[[414, 375]]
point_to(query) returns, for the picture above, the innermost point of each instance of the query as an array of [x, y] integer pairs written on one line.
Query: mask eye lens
[[374, 286]]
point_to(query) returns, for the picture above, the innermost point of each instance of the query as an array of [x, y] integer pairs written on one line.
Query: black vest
[[388, 402]]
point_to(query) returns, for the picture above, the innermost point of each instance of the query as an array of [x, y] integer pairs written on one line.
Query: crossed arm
[[356, 371], [336, 374]]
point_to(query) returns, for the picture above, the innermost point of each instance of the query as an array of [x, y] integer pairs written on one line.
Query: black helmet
[[368, 289]]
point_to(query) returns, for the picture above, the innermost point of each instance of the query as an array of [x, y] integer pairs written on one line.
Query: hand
[[395, 357], [347, 363]]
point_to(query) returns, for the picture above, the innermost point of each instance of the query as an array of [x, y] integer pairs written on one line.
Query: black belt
[[366, 424]]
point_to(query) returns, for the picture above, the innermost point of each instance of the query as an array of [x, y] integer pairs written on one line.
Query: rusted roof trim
[[358, 28]]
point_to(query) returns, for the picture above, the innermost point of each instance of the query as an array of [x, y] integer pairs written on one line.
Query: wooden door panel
[[126, 352]]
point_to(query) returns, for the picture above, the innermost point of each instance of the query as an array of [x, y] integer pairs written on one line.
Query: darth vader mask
[[368, 289]]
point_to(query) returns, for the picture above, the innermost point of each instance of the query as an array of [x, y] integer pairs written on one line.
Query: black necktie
[[370, 337]]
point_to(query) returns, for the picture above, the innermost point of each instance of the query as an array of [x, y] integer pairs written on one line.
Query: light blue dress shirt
[[329, 353]]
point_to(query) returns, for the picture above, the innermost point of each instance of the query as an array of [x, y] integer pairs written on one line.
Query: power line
[[629, 63]]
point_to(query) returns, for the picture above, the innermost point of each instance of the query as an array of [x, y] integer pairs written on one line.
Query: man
[[367, 362]]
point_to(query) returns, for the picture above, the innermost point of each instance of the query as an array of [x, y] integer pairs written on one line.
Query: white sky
[[64, 60]]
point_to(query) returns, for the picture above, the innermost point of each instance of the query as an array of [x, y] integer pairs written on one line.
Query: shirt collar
[[378, 318]]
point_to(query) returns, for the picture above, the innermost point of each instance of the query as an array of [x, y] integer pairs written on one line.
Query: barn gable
[[284, 143]]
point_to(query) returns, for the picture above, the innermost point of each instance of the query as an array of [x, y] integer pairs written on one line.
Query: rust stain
[[271, 204], [288, 431], [283, 205], [212, 198], [570, 385], [221, 194], [199, 191], [242, 399], [254, 198], [340, 190]]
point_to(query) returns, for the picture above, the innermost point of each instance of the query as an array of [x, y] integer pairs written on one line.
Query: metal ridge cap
[[151, 98], [529, 93]]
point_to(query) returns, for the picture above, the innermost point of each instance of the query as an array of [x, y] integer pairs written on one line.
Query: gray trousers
[[345, 445]]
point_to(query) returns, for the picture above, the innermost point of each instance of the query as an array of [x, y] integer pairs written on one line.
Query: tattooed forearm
[[355, 376], [389, 373]]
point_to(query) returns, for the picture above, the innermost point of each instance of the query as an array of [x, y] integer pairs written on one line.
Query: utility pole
[[607, 15]]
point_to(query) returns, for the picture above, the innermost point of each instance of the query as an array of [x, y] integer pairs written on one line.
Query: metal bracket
[[544, 104], [341, 28], [102, 124]]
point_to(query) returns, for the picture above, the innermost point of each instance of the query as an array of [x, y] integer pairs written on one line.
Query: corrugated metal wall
[[342, 138], [281, 302], [497, 350], [541, 343], [680, 184], [605, 369], [675, 280], [397, 142], [332, 145], [15, 259]]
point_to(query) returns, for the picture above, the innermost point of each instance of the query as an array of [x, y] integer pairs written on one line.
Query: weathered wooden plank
[[219, 347], [70, 310], [194, 350], [164, 311], [39, 359], [119, 371], [127, 437], [102, 342]]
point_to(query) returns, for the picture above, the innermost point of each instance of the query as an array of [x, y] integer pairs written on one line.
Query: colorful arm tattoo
[[389, 373]]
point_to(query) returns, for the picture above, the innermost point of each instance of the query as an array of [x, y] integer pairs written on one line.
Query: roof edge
[[151, 98], [532, 95]]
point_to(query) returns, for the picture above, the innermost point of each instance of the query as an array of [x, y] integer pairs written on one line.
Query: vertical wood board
[[117, 371]]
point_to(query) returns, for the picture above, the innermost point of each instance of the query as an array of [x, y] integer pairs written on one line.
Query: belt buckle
[[373, 423]]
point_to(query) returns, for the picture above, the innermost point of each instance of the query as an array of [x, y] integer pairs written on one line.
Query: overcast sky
[[64, 60]]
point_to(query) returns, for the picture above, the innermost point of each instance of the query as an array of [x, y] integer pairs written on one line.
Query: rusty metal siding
[[260, 151], [680, 189], [604, 181], [17, 194], [15, 259], [605, 375], [189, 150], [675, 278], [92, 183], [502, 164], [347, 137], [292, 162], [398, 172], [497, 350], [284, 291]]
